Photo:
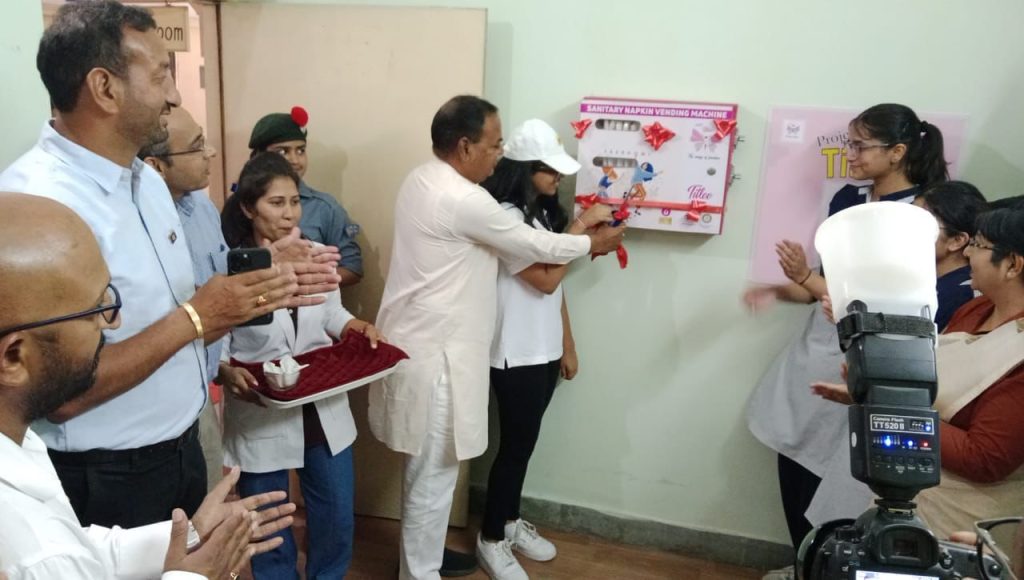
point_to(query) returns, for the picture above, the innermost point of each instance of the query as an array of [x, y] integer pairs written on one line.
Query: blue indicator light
[[887, 441]]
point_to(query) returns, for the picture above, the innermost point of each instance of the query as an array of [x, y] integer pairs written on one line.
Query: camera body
[[894, 448], [886, 544]]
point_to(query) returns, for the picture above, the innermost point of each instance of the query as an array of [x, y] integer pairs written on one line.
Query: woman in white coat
[[316, 438]]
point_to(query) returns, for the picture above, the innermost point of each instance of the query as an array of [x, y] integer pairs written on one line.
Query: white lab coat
[[261, 440], [440, 301]]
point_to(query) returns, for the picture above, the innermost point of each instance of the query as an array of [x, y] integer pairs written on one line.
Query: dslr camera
[[894, 449]]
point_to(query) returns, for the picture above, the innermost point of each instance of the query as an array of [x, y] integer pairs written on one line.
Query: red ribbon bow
[[723, 127], [657, 135], [697, 206], [581, 126]]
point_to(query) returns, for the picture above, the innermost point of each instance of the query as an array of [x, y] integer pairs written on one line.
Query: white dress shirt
[[439, 301], [41, 539], [131, 213], [262, 440]]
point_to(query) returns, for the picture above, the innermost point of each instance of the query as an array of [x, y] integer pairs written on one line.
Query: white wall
[[23, 101], [653, 426]]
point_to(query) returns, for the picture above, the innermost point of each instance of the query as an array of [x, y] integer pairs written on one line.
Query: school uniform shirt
[[439, 302], [528, 329], [953, 290], [264, 439], [132, 215], [41, 539]]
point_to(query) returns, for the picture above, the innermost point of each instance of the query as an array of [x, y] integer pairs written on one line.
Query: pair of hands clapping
[[231, 532]]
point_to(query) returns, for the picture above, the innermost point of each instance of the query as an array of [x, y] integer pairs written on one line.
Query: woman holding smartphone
[[316, 438]]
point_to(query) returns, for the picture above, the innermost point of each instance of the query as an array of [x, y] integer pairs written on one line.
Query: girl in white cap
[[533, 342]]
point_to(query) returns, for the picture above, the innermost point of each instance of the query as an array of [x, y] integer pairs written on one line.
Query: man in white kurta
[[439, 306]]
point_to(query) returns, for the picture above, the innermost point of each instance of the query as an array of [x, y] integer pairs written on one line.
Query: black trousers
[[522, 394], [798, 486], [134, 487]]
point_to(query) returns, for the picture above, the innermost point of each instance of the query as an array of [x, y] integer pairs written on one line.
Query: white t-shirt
[[528, 330]]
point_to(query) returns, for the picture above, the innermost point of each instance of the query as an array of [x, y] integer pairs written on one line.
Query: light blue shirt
[[201, 222], [131, 213], [325, 221]]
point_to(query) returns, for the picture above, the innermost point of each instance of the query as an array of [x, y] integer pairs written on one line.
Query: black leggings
[[522, 394], [798, 486]]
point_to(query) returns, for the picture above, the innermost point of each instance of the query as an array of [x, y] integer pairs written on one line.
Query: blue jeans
[[327, 486]]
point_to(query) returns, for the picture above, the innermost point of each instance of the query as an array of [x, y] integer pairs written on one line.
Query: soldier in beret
[[324, 220]]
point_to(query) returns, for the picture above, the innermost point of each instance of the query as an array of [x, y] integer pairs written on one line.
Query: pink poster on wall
[[804, 165]]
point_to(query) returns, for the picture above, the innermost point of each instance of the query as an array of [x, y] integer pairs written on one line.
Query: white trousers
[[428, 487]]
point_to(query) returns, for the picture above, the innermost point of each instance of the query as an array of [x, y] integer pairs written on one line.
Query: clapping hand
[[267, 521]]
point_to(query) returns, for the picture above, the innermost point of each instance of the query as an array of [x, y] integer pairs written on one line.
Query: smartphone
[[246, 260]]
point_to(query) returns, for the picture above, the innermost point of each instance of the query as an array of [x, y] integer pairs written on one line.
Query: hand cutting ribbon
[[657, 134], [581, 126], [723, 128], [620, 215]]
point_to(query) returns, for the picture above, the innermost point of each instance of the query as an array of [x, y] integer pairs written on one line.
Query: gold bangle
[[581, 222], [196, 321]]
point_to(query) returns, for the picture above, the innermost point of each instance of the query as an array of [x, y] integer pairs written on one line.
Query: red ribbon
[[657, 135], [723, 127], [699, 205], [623, 256], [587, 201], [581, 126], [620, 215]]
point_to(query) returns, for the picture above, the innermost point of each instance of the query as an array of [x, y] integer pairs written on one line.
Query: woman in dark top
[[955, 205]]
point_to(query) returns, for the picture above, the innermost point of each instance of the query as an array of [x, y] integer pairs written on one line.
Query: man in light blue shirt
[[127, 451]]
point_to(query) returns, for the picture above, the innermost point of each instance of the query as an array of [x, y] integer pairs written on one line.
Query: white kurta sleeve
[[132, 553], [482, 220]]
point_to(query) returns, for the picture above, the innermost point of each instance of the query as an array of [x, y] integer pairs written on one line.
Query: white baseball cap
[[535, 140]]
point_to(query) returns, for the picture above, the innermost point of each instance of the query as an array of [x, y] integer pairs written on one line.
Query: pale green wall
[[23, 101], [653, 427]]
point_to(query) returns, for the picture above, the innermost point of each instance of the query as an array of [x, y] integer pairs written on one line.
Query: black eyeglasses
[[199, 148], [857, 147], [974, 243], [987, 545], [107, 311]]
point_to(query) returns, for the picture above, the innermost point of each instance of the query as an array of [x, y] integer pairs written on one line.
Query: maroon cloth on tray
[[343, 362]]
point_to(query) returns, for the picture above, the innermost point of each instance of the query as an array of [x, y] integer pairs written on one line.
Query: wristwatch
[[193, 538]]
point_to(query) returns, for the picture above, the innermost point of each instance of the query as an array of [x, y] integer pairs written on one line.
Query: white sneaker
[[497, 560], [787, 573], [526, 540]]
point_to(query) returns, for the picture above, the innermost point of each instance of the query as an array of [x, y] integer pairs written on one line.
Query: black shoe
[[458, 564]]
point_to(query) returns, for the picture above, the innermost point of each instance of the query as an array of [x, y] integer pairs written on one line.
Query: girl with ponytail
[[900, 155]]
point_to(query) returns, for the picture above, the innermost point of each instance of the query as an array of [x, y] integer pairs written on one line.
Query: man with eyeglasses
[[183, 160], [59, 299], [127, 450]]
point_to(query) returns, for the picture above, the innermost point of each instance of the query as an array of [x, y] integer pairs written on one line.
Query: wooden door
[[371, 79]]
